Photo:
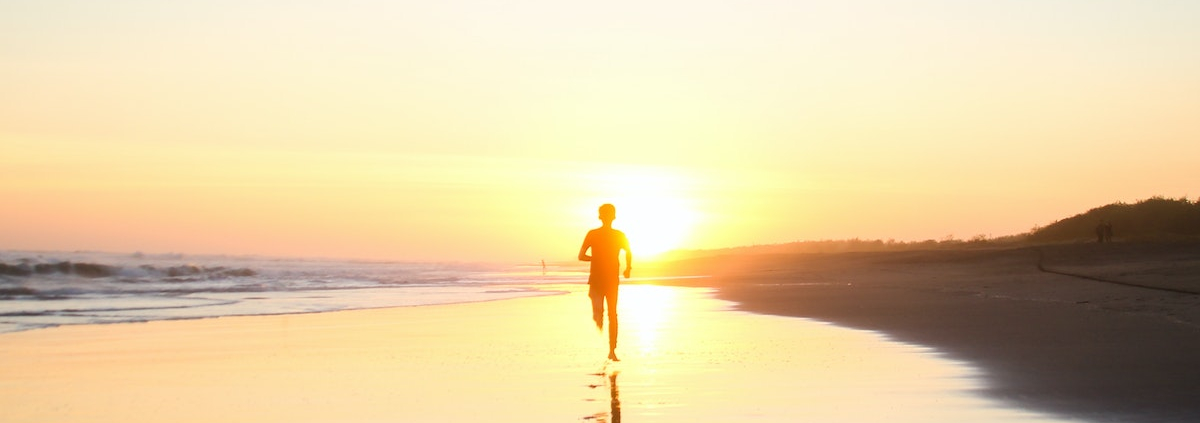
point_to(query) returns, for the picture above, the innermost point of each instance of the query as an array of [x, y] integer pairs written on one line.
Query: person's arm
[[628, 259], [583, 256]]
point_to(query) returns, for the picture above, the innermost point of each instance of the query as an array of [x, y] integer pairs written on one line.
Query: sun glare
[[653, 209], [647, 308], [656, 225]]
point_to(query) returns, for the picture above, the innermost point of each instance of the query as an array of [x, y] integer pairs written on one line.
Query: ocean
[[689, 356], [46, 289]]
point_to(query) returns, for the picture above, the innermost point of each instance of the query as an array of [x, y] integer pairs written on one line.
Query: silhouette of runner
[[604, 279]]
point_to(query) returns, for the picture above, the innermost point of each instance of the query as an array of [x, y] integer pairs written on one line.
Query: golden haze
[[473, 131]]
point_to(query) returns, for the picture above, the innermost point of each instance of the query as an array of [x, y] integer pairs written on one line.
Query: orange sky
[[477, 131]]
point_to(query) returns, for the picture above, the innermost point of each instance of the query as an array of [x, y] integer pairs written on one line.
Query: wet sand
[[687, 357], [1060, 338], [1010, 342]]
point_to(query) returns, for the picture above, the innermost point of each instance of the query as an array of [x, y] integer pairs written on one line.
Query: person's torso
[[606, 248]]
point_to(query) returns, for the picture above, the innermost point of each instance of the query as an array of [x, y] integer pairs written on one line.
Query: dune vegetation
[[1153, 219]]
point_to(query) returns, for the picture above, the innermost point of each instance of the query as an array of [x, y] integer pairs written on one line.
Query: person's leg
[[611, 298], [597, 297]]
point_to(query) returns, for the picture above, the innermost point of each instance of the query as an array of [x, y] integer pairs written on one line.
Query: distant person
[[1100, 232], [604, 279], [1108, 232]]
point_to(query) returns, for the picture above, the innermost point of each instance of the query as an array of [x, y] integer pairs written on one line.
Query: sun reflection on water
[[688, 357], [647, 308], [685, 358]]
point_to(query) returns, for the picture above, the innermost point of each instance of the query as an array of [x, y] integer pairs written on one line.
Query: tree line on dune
[[1153, 219]]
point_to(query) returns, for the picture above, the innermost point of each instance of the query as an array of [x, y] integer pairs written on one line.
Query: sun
[[655, 225], [654, 210]]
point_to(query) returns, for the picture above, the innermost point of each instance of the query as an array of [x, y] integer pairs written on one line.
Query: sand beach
[[686, 357], [387, 211], [1105, 332], [937, 336]]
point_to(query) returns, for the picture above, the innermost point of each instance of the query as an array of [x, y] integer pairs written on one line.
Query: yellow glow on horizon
[[662, 224], [654, 208], [491, 132]]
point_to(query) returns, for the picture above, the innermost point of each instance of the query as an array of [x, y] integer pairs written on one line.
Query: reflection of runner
[[604, 279], [614, 397]]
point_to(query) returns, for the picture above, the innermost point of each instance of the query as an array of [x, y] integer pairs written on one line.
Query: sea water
[[684, 363], [46, 289]]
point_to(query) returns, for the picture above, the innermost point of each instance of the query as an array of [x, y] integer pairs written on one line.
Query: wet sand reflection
[[689, 357], [686, 357], [613, 414]]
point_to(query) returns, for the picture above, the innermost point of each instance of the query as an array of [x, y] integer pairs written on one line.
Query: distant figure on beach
[[1108, 232], [604, 279], [1100, 232]]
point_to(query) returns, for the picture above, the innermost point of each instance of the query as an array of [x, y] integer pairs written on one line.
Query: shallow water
[[687, 357], [690, 358]]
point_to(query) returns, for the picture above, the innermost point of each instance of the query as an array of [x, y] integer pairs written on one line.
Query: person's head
[[608, 212]]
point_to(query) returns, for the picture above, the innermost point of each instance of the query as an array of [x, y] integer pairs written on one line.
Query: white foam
[[160, 287]]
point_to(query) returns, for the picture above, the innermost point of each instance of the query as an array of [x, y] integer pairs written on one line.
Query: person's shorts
[[599, 290]]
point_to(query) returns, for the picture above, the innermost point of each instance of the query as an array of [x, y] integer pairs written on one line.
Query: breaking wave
[[40, 290], [27, 268]]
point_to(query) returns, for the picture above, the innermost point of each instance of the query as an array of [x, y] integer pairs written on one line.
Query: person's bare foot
[[612, 355]]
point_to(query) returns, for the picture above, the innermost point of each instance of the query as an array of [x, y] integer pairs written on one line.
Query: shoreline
[[1046, 342], [688, 356], [524, 291]]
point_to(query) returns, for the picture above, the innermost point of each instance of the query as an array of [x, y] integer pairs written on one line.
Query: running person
[[606, 244]]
